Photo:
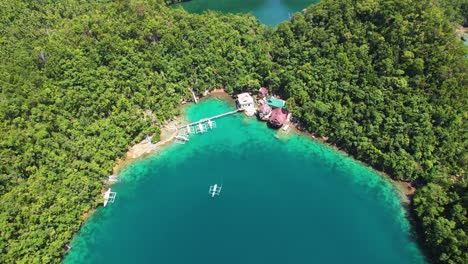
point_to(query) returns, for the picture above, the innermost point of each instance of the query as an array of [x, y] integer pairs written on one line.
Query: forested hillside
[[387, 82], [456, 11], [76, 80], [384, 79]]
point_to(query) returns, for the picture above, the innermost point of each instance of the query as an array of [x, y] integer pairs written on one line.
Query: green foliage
[[456, 10], [76, 81], [171, 2], [444, 219], [384, 79]]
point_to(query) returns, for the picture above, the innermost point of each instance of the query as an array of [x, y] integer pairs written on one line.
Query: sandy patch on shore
[[461, 30], [168, 133], [144, 147], [219, 91], [87, 214], [406, 188]]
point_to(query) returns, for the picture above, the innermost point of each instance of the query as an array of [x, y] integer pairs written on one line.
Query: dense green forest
[[76, 80], [385, 80], [456, 11]]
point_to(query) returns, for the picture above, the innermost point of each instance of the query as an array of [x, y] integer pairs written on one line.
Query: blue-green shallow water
[[283, 201], [269, 12]]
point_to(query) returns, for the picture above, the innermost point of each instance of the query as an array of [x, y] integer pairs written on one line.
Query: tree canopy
[[385, 80]]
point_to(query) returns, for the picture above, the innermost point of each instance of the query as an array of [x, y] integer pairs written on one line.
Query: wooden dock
[[210, 118]]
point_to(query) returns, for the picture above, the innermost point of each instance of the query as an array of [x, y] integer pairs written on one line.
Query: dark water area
[[269, 12], [284, 199]]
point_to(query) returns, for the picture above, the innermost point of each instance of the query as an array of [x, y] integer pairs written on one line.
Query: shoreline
[[404, 188], [138, 151], [461, 30], [168, 133], [143, 149]]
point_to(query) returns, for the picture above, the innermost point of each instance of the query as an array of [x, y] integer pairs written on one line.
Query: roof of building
[[278, 116], [245, 98], [275, 103], [263, 91], [264, 108]]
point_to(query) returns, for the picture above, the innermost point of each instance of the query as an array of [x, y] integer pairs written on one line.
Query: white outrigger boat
[[215, 190], [109, 197]]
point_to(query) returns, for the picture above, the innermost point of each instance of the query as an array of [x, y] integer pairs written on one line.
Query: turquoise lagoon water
[[269, 12], [284, 200]]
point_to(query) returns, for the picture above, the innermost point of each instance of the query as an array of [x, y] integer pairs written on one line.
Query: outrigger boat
[[215, 190]]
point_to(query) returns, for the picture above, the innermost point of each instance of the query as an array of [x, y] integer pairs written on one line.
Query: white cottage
[[246, 103], [244, 100]]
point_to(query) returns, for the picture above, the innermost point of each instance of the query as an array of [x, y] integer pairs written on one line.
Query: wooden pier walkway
[[210, 118]]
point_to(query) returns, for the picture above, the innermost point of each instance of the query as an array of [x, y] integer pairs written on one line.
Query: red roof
[[263, 92], [278, 116]]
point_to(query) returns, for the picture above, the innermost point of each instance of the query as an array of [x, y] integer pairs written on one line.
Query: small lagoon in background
[[269, 12], [284, 200]]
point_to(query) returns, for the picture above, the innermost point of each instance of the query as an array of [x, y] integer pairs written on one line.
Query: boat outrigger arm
[[214, 190]]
